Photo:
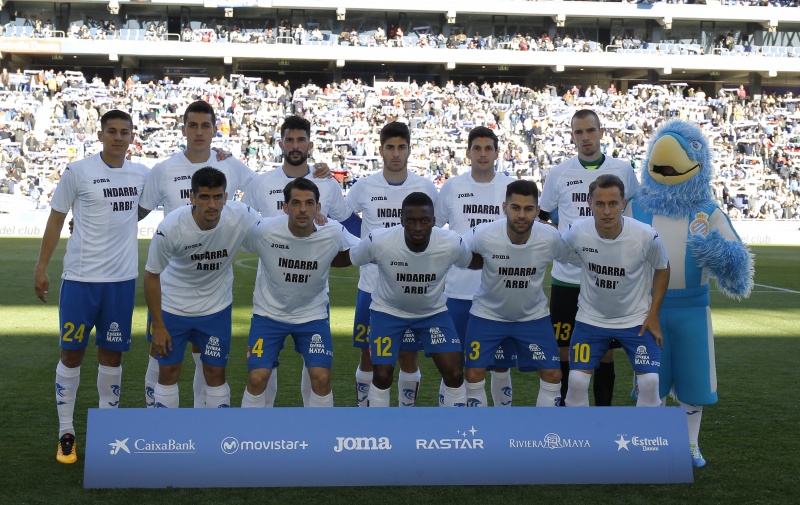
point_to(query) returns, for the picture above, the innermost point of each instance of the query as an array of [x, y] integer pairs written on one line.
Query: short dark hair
[[481, 132], [584, 113], [208, 177], [606, 181], [416, 199], [302, 184], [524, 188], [296, 123], [115, 114], [201, 107], [395, 129]]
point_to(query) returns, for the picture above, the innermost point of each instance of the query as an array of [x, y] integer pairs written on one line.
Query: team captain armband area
[[420, 446]]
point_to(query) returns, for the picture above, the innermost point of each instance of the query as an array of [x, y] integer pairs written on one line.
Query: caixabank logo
[[232, 445], [145, 446], [645, 444], [463, 440]]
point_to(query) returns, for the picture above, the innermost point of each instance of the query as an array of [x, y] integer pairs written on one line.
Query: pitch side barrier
[[288, 447]]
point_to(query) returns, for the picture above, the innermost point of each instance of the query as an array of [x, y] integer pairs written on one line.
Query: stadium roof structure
[[675, 42]]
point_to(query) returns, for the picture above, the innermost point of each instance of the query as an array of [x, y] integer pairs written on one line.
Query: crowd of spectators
[[53, 118]]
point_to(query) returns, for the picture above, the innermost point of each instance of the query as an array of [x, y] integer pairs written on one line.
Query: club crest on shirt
[[700, 225]]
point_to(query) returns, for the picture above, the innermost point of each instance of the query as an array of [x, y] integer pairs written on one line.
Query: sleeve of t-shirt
[[440, 209], [656, 254], [361, 254], [432, 191], [348, 240], [354, 196], [632, 185], [335, 205], [549, 200], [563, 252], [243, 172], [151, 194], [161, 250], [464, 254], [66, 191]]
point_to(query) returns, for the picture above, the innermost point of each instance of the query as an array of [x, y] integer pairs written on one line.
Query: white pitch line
[[777, 288]]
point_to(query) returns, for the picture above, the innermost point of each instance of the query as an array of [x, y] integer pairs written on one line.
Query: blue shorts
[[105, 306], [361, 326], [212, 333], [459, 313], [268, 336], [590, 343], [435, 334], [534, 342]]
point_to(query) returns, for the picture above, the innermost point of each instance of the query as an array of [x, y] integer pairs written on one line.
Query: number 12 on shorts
[[383, 346]]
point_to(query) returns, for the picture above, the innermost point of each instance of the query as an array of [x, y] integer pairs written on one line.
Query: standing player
[[412, 262], [464, 202], [622, 261], [379, 199], [98, 287], [291, 295], [510, 304], [169, 184], [188, 286], [564, 199], [266, 195]]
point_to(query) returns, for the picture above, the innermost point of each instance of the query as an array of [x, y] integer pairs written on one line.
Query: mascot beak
[[669, 164]]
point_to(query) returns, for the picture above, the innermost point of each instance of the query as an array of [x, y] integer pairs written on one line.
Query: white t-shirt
[[566, 189], [293, 271], [411, 284], [380, 206], [464, 204], [265, 194], [170, 181], [512, 274], [196, 266], [616, 275], [104, 203]]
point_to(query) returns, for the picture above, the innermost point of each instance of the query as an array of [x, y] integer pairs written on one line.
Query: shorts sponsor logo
[[549, 441], [113, 334], [536, 352], [212, 348], [317, 346], [362, 444], [465, 440], [437, 337], [232, 445], [643, 358], [408, 337], [644, 443]]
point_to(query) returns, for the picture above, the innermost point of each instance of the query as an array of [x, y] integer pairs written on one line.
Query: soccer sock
[[502, 394], [604, 384], [476, 394], [363, 382], [648, 390], [407, 387], [378, 397], [67, 381], [109, 379], [564, 381], [441, 393], [694, 414], [167, 396], [305, 386], [272, 388], [218, 396], [578, 392], [320, 401], [150, 381], [199, 382], [455, 397], [249, 401], [548, 394]]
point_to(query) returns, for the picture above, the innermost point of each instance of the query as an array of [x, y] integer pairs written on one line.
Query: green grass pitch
[[750, 438]]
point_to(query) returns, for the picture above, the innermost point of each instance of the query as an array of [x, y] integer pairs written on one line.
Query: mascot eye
[[696, 145]]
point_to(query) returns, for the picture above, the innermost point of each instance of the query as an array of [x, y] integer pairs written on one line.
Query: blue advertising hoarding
[[284, 447]]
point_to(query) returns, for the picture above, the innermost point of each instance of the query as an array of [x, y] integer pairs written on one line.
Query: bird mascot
[[675, 198]]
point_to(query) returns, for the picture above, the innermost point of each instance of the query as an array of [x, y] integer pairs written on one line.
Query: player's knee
[[107, 357], [453, 377], [320, 380], [579, 380], [475, 374], [382, 376], [214, 375], [407, 361], [552, 376], [257, 381], [72, 359], [647, 382], [169, 374]]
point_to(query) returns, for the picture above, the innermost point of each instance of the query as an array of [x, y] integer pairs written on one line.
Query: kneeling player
[[291, 296], [622, 260], [510, 305], [412, 263]]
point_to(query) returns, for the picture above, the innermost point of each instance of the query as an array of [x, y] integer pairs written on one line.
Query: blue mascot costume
[[675, 198]]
